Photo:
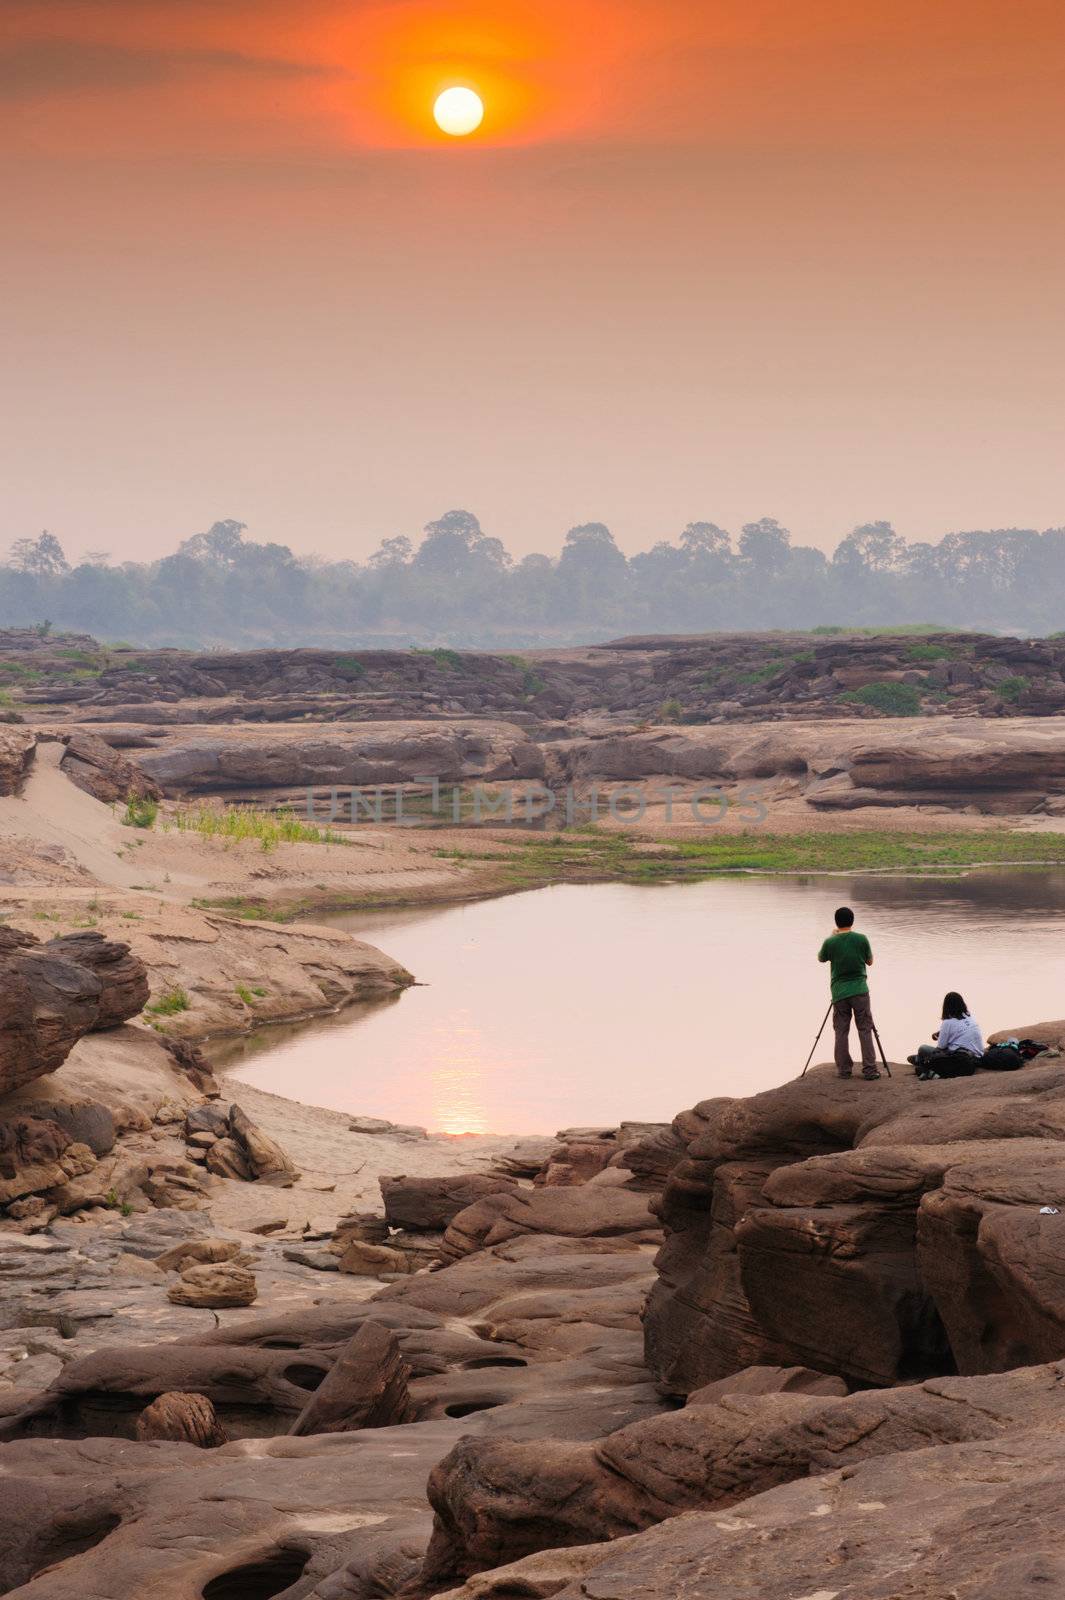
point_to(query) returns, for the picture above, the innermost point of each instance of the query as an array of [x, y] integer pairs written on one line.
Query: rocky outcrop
[[357, 755], [17, 749], [882, 1234], [497, 1500], [698, 678], [52, 994]]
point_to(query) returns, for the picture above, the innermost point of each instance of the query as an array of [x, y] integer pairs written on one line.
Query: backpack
[[1002, 1058], [948, 1064]]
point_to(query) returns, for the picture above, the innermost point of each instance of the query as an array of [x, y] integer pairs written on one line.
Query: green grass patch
[[170, 1002], [140, 812], [1011, 689], [237, 824], [349, 667], [890, 699]]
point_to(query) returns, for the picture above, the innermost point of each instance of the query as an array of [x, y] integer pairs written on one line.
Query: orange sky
[[703, 260]]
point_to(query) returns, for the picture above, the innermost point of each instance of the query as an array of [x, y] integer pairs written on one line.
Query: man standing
[[850, 954]]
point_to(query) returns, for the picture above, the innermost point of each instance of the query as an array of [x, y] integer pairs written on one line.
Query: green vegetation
[[1012, 688], [447, 660], [140, 812], [235, 824], [170, 1002], [893, 699], [237, 906], [885, 630], [531, 682], [349, 667], [670, 711], [929, 652], [597, 857], [247, 995]]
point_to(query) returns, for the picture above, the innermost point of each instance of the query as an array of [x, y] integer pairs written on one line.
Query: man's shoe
[[913, 1061], [871, 1077], [844, 1074]]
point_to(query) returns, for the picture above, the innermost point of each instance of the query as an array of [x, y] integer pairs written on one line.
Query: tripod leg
[[880, 1047], [817, 1041]]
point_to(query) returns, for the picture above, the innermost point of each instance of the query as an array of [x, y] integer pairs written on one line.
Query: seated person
[[958, 1037]]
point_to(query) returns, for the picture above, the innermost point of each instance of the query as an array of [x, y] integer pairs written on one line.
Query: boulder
[[32, 1155], [366, 1387], [123, 976], [432, 1203], [227, 1159], [52, 994], [197, 1252], [265, 1158], [582, 1213], [214, 1285], [182, 1419], [102, 772]]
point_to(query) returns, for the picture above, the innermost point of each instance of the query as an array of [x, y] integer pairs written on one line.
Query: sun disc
[[458, 112]]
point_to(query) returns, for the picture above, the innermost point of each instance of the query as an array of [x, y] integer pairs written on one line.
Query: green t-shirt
[[848, 953]]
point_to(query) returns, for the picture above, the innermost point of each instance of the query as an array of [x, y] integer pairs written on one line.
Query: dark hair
[[954, 1006], [844, 917]]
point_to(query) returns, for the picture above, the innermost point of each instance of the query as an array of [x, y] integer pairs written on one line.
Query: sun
[[458, 112]]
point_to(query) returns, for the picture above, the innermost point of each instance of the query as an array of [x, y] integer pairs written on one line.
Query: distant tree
[[392, 553], [872, 547], [220, 545], [702, 541], [43, 556], [764, 547]]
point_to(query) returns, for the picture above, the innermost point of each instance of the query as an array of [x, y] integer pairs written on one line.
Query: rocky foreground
[[807, 1344]]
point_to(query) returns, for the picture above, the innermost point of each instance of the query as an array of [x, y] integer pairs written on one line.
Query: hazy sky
[[706, 259]]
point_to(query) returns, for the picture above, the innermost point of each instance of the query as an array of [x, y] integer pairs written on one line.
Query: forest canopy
[[459, 585]]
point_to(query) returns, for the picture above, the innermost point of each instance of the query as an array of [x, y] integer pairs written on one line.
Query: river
[[584, 1004]]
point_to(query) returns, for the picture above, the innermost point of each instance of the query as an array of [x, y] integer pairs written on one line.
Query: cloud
[[59, 66]]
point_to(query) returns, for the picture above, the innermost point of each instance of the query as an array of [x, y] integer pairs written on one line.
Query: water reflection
[[585, 1004]]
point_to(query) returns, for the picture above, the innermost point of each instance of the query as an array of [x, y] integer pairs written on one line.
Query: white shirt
[[960, 1033]]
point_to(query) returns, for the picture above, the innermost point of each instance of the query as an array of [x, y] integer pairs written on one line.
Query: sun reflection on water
[[457, 1077]]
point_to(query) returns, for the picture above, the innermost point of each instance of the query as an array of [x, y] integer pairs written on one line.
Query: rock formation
[[51, 994]]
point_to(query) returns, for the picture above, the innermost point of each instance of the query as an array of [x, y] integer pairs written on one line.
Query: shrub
[[170, 1002], [670, 711], [447, 660], [890, 699], [140, 812], [1012, 688], [349, 667]]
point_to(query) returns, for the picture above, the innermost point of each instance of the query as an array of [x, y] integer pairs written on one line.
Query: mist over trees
[[458, 585]]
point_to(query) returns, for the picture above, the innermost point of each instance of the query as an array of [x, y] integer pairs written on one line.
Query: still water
[[587, 1004]]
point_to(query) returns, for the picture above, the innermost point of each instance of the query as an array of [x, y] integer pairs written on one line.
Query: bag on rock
[[1002, 1058], [947, 1064]]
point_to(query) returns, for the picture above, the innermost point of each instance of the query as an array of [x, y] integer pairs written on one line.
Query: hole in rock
[[259, 1580], [281, 1344], [493, 1361], [305, 1376], [73, 1539], [467, 1407]]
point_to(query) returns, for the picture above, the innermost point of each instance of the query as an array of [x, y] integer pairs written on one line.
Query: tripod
[[817, 1041]]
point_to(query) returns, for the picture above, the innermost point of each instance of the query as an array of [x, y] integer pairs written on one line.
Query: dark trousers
[[856, 1006]]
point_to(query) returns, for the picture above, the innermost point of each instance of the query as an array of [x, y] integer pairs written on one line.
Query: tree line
[[459, 586]]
